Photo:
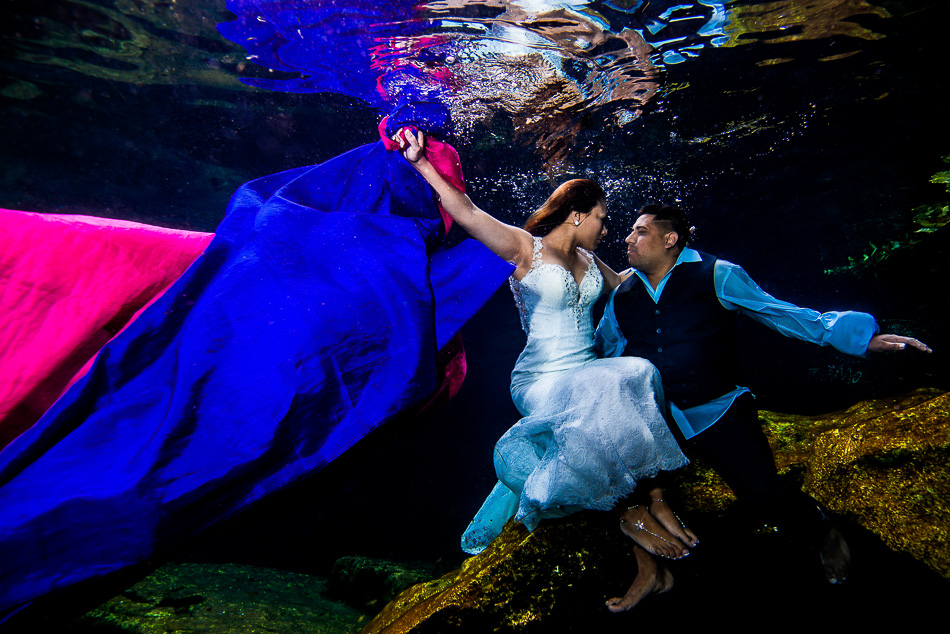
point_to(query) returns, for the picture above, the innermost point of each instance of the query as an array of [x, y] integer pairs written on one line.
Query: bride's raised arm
[[507, 242]]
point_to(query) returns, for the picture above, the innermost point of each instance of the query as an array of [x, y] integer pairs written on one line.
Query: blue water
[[806, 139]]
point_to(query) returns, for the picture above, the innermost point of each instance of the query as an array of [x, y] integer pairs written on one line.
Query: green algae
[[886, 468], [223, 598], [932, 217], [22, 90], [928, 219]]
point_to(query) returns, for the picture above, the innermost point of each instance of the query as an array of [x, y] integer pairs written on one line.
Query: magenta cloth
[[68, 284], [442, 156], [327, 303], [63, 302]]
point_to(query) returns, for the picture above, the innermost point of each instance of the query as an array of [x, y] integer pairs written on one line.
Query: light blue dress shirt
[[848, 331]]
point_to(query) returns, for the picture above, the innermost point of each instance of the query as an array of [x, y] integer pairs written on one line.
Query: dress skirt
[[589, 436]]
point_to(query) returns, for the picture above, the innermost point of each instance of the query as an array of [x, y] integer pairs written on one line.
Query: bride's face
[[592, 227]]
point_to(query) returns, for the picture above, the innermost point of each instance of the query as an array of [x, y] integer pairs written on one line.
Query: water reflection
[[794, 21], [543, 68], [143, 42], [551, 65]]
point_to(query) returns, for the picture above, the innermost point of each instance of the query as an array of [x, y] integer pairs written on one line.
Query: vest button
[[657, 311], [659, 349], [659, 330]]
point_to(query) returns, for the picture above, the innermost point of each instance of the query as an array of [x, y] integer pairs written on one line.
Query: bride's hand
[[412, 145]]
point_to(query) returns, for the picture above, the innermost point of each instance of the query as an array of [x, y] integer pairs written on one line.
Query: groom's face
[[645, 244]]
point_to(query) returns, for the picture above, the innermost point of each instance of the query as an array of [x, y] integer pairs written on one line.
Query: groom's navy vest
[[687, 335]]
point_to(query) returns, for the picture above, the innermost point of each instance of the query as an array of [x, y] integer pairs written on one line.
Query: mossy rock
[[883, 464], [222, 598]]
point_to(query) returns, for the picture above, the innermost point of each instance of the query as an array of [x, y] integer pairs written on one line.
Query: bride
[[593, 429]]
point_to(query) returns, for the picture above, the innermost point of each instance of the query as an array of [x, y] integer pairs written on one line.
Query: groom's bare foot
[[665, 516], [835, 556], [651, 579], [637, 524]]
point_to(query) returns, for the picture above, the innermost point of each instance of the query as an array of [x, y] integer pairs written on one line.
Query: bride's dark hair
[[579, 194]]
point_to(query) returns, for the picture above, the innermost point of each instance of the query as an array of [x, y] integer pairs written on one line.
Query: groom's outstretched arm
[[851, 332]]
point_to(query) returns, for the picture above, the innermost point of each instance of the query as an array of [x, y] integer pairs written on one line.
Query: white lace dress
[[592, 427]]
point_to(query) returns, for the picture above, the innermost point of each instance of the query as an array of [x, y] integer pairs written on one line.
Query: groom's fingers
[[920, 345], [882, 343], [903, 342]]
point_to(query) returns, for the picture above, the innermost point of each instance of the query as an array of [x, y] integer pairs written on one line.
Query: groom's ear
[[671, 239]]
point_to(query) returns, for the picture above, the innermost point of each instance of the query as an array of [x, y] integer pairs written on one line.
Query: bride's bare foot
[[651, 578], [665, 516], [637, 524], [835, 556]]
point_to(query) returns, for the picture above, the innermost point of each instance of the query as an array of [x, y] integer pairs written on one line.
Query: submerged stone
[[369, 583], [522, 582], [888, 468], [884, 464], [222, 598]]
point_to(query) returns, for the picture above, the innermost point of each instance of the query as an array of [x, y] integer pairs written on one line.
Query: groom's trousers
[[737, 449]]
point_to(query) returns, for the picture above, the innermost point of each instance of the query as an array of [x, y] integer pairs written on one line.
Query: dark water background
[[809, 172]]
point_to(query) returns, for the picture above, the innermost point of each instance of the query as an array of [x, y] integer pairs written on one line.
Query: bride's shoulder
[[528, 254]]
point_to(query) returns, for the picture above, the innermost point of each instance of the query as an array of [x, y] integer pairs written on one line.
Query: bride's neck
[[561, 242]]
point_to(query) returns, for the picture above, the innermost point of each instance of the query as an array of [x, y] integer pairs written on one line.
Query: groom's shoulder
[[695, 256], [629, 279]]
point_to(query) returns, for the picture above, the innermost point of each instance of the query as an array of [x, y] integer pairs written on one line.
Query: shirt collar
[[687, 255]]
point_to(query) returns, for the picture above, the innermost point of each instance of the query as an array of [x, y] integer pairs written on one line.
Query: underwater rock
[[882, 463], [367, 582], [522, 582], [887, 467], [222, 598]]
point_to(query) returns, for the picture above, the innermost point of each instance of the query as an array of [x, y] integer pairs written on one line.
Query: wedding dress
[[592, 428]]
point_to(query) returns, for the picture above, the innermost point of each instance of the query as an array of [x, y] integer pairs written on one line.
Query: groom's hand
[[885, 343]]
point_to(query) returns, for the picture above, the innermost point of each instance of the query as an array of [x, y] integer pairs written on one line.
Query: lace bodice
[[556, 316]]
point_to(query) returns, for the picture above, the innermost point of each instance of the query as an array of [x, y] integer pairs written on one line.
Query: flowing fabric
[[314, 315], [68, 284], [592, 428]]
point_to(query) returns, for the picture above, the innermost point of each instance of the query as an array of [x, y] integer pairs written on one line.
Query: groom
[[677, 309]]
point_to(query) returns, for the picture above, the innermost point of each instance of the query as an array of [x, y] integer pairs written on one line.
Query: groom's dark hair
[[670, 218]]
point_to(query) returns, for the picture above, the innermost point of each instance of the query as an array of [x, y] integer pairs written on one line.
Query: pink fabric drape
[[68, 284]]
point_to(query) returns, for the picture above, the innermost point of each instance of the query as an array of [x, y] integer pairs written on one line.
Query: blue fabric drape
[[314, 315]]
